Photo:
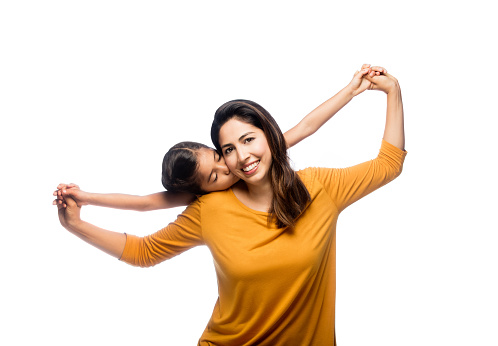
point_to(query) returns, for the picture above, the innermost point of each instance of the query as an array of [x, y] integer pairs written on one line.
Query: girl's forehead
[[204, 154], [205, 160]]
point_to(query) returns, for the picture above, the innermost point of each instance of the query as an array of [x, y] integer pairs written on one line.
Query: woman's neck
[[257, 197]]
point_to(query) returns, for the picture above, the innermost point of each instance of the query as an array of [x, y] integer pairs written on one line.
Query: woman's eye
[[228, 151], [247, 140]]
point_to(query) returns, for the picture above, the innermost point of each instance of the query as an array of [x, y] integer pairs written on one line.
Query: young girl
[[191, 169], [272, 235]]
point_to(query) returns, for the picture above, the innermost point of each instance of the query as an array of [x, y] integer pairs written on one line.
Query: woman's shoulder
[[206, 202], [309, 173], [307, 176], [213, 197], [313, 177]]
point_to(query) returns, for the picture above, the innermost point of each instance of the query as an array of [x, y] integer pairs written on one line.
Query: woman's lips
[[249, 169]]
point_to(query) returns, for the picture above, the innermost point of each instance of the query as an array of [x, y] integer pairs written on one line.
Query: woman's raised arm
[[112, 243], [347, 185], [394, 132]]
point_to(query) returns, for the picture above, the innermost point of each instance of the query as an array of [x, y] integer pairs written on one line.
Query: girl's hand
[[360, 83], [383, 82], [69, 213], [73, 191]]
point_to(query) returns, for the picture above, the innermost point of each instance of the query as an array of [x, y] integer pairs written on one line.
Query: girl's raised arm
[[314, 120], [160, 200]]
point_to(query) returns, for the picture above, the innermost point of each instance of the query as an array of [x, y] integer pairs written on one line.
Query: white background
[[95, 92]]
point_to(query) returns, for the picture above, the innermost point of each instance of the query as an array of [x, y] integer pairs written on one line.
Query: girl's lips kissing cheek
[[251, 168]]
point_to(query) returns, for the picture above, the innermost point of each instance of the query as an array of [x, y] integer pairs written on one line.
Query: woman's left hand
[[384, 82], [360, 83]]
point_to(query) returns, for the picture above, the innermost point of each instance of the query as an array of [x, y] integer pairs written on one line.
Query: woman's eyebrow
[[240, 138], [245, 134]]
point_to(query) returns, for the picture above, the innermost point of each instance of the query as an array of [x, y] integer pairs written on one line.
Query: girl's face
[[246, 151], [213, 172]]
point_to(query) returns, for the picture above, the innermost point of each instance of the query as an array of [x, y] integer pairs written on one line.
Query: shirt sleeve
[[347, 185], [177, 237]]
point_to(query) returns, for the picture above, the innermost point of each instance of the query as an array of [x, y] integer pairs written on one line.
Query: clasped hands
[[68, 204], [372, 78]]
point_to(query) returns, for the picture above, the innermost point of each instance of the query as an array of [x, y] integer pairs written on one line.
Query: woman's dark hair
[[180, 168], [290, 195]]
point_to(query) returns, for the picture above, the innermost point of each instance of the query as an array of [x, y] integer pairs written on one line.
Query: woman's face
[[246, 151], [213, 172]]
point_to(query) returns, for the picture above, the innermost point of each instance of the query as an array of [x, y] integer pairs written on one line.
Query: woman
[[272, 235], [190, 169]]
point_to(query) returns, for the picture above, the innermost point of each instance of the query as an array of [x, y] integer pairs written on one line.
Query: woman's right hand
[[69, 213]]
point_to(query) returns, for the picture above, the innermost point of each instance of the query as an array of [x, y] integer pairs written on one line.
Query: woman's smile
[[251, 168]]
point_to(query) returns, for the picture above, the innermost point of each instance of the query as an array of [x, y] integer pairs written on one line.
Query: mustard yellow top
[[276, 286]]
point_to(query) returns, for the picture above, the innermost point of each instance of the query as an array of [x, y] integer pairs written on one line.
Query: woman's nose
[[242, 155]]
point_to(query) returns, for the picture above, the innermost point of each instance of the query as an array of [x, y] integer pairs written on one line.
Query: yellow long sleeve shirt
[[276, 286]]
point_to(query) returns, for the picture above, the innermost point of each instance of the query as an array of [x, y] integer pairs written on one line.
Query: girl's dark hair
[[180, 168], [290, 195]]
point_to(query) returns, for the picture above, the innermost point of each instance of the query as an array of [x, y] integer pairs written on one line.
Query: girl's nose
[[222, 167]]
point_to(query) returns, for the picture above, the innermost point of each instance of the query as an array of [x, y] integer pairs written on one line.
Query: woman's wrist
[[75, 225], [395, 91], [394, 88]]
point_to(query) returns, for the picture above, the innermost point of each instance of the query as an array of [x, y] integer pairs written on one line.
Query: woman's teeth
[[250, 167]]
